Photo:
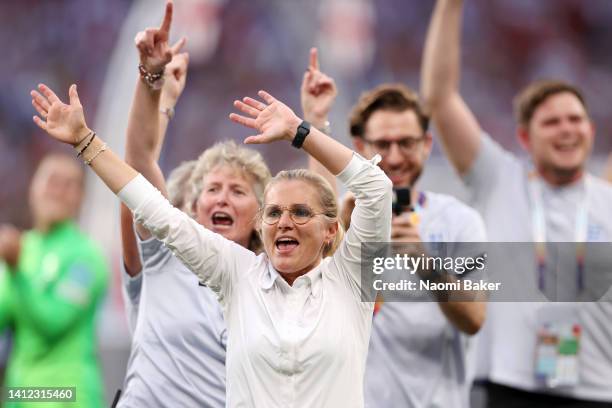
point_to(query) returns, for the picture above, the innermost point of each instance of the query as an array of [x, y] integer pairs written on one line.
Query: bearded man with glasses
[[418, 351], [418, 355]]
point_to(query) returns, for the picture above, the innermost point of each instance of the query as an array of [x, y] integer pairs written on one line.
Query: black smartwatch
[[302, 131]]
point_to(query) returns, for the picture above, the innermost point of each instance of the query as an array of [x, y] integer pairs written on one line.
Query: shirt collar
[[313, 277], [269, 276]]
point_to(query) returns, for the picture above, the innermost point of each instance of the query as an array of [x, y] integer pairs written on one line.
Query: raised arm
[[275, 121], [66, 123], [146, 127], [318, 93], [458, 129], [214, 259], [147, 124], [372, 189]]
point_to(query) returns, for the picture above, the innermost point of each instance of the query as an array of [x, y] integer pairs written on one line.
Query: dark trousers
[[500, 396]]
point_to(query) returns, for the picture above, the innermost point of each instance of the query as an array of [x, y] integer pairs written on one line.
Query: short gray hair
[[178, 185], [249, 161]]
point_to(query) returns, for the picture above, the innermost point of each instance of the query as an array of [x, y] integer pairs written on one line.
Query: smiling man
[[389, 121], [418, 355], [418, 350], [553, 200], [555, 128]]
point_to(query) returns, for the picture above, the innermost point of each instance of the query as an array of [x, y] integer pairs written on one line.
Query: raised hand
[[10, 244], [318, 92], [175, 74], [65, 123], [273, 119], [152, 44]]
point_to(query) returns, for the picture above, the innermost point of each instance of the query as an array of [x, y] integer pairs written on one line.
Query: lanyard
[[420, 204], [538, 221]]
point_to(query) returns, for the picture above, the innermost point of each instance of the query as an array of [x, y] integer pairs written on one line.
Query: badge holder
[[557, 350]]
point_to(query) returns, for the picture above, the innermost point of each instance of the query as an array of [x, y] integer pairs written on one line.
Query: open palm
[[271, 123], [63, 122], [274, 121]]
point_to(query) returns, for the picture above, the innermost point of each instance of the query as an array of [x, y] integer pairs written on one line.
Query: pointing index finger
[[165, 26], [314, 59]]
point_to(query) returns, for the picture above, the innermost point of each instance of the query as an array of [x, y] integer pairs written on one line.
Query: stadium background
[[240, 46]]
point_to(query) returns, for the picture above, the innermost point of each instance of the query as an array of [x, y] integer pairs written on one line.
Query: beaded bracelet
[[153, 80]]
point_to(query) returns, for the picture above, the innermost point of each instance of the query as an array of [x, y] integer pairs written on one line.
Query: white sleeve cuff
[[355, 165], [134, 193]]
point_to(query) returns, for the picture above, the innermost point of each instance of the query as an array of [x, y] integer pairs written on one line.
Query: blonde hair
[[248, 161], [327, 200]]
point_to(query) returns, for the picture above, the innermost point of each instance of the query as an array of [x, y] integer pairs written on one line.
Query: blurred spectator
[[552, 200], [45, 41], [254, 49], [52, 280], [261, 43]]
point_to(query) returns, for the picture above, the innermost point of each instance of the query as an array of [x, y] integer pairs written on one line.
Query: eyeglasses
[[406, 145], [299, 213]]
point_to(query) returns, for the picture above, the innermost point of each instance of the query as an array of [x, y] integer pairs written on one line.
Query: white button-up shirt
[[288, 346]]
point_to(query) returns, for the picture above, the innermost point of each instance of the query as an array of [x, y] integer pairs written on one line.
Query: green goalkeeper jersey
[[50, 302]]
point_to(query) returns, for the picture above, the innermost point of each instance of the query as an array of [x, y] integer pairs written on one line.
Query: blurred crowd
[[54, 41], [506, 44], [240, 46]]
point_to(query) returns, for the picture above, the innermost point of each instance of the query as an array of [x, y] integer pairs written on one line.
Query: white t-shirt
[[499, 187], [288, 346], [417, 358], [179, 336]]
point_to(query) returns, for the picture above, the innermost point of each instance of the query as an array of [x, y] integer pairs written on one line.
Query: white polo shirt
[[298, 346]]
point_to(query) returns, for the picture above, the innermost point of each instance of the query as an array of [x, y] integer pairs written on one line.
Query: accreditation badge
[[557, 347]]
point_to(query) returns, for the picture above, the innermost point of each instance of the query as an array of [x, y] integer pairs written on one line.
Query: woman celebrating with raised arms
[[298, 329]]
